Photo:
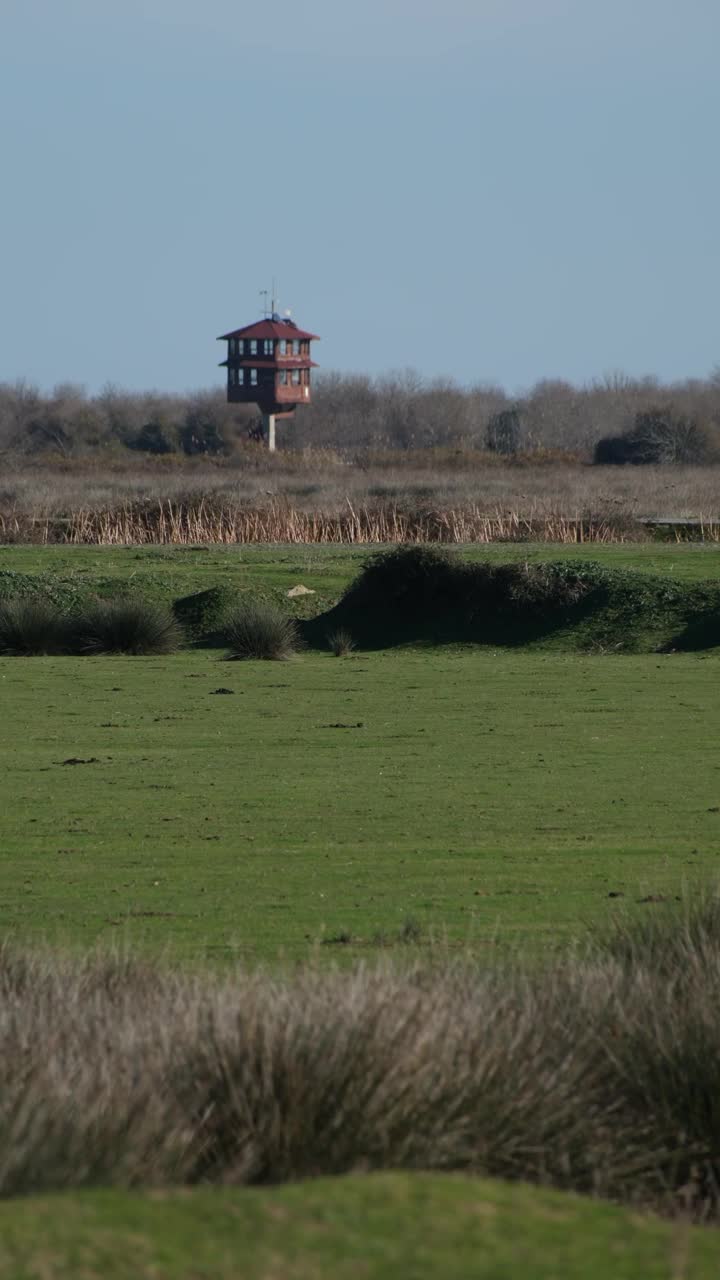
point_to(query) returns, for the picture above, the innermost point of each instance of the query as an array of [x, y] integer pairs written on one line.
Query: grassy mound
[[64, 593], [427, 594], [415, 1226], [201, 614]]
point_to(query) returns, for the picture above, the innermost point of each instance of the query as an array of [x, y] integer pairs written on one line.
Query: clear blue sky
[[489, 190]]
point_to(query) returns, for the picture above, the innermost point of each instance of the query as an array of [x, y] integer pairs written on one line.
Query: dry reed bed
[[597, 1076], [420, 479], [166, 522]]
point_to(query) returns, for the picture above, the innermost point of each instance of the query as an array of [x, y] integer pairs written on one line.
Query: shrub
[[154, 437], [125, 626], [341, 642], [259, 629], [548, 588], [31, 625], [410, 589], [657, 436], [504, 432], [614, 451], [411, 578]]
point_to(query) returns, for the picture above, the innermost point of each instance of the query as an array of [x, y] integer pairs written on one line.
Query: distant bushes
[[504, 431], [350, 412], [598, 1072], [659, 436]]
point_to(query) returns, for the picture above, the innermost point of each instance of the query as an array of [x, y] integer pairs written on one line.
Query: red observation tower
[[268, 364]]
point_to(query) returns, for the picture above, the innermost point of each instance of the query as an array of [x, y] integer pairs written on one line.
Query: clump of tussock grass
[[125, 626], [259, 629], [340, 642], [599, 1074], [30, 625], [667, 938]]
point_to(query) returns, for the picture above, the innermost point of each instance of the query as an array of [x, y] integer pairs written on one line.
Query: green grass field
[[417, 1227], [347, 807], [483, 795]]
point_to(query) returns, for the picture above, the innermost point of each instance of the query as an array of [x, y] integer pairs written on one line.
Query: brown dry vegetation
[[598, 1074], [313, 495], [393, 459]]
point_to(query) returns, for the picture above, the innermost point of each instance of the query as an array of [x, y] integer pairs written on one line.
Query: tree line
[[615, 420]]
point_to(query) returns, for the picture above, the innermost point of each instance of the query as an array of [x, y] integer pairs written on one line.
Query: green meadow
[[484, 796], [474, 796]]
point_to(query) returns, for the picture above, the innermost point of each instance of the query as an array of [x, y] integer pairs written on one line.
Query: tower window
[[253, 377], [239, 346], [240, 377], [268, 347], [253, 346], [283, 377], [296, 377], [283, 346], [296, 346]]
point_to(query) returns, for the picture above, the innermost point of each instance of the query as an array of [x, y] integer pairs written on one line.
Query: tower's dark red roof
[[275, 328]]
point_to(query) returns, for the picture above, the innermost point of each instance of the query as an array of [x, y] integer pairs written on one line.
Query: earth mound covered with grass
[[418, 1226], [202, 613], [430, 595]]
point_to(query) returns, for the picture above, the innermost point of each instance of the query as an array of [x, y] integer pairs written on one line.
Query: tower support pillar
[[269, 430]]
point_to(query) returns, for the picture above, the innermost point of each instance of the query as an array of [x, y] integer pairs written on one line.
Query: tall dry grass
[[177, 523], [41, 498], [371, 496], [599, 1074], [166, 522]]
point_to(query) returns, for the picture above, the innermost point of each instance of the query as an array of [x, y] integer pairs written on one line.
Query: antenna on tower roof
[[269, 310]]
